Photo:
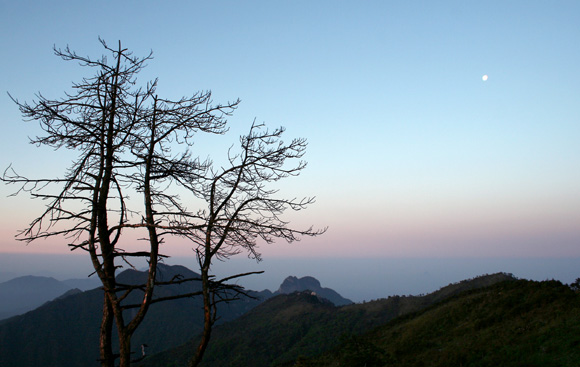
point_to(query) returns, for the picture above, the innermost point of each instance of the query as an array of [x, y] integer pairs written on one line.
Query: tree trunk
[[208, 319], [124, 349], [105, 344]]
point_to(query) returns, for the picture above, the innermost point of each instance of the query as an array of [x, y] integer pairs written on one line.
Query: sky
[[411, 153]]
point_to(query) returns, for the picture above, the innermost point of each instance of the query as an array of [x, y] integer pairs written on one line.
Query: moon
[[484, 78]]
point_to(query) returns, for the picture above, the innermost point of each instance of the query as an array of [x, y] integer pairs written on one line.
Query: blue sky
[[411, 153]]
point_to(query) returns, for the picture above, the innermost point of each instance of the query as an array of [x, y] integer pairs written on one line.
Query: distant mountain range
[[26, 293], [485, 321], [64, 332]]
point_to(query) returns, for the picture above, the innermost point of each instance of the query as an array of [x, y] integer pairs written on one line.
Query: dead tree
[[123, 137], [242, 210]]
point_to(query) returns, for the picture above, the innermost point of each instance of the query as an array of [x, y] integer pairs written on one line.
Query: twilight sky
[[411, 153]]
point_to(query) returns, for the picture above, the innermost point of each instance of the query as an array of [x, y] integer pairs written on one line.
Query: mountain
[[287, 326], [517, 323], [65, 332], [257, 338], [22, 294], [26, 293], [293, 284]]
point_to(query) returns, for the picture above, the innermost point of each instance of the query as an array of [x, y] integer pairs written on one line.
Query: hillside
[[285, 327], [520, 323], [65, 332]]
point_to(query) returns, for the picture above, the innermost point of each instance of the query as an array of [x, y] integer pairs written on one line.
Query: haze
[[416, 162]]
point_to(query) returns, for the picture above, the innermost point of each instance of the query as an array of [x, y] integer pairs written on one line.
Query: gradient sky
[[411, 153]]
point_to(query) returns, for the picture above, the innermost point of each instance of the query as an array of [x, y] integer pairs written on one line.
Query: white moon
[[484, 78]]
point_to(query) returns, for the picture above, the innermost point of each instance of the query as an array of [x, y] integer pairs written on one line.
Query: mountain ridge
[[67, 316], [23, 294], [301, 322], [42, 337], [287, 326], [517, 323]]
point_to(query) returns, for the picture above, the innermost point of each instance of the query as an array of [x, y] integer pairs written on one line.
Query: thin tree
[[242, 209], [123, 138]]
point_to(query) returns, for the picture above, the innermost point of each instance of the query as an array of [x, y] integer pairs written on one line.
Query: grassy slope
[[521, 323]]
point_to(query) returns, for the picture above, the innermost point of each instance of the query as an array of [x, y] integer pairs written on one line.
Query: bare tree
[[123, 138], [129, 141], [242, 209]]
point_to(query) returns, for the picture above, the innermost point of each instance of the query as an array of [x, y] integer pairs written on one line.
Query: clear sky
[[411, 153]]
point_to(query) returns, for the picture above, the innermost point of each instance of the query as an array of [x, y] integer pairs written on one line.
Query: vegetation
[[487, 321], [287, 327], [519, 323]]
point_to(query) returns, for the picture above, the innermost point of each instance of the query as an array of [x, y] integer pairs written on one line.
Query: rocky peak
[[293, 284]]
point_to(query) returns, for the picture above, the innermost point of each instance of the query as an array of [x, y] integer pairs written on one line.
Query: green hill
[[281, 329], [519, 323]]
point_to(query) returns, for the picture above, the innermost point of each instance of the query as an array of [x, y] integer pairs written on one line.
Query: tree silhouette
[[241, 209], [130, 142]]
